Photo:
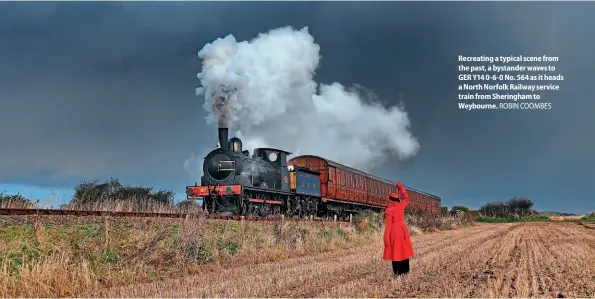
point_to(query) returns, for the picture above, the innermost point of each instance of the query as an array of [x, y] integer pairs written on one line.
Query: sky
[[91, 90]]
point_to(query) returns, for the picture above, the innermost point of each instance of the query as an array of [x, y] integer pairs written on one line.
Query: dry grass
[[128, 205], [563, 218], [17, 204], [487, 260], [430, 223], [62, 256], [58, 256]]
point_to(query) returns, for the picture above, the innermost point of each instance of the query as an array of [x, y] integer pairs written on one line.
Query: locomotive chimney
[[223, 132]]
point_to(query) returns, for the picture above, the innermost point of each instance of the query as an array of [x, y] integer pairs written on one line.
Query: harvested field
[[487, 260]]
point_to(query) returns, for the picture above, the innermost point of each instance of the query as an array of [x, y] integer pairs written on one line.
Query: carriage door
[[331, 185]]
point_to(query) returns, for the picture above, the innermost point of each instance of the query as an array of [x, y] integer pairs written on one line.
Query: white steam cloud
[[264, 90]]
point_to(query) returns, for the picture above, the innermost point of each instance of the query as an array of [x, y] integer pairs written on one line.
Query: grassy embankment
[[51, 256]]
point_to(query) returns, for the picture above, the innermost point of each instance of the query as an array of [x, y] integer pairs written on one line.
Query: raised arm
[[404, 195]]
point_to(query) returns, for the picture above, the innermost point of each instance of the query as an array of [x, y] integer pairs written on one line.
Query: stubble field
[[487, 260]]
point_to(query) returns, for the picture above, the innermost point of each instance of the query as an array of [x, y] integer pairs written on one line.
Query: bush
[[444, 211], [520, 206], [459, 208], [495, 209], [17, 201], [589, 217], [87, 193], [515, 207]]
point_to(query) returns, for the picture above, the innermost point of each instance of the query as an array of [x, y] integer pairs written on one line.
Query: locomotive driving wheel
[[265, 210]]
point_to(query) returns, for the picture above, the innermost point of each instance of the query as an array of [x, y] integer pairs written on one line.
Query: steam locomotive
[[235, 183]]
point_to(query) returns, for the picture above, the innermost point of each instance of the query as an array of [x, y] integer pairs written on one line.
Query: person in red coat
[[397, 242]]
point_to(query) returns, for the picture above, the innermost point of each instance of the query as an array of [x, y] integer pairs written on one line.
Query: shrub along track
[[487, 260]]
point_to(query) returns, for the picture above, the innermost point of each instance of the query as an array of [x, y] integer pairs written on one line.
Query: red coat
[[397, 242]]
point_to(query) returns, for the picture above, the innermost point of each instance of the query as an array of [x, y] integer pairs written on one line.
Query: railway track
[[91, 213]]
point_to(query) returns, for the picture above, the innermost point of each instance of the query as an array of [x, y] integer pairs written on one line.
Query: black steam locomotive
[[233, 183]]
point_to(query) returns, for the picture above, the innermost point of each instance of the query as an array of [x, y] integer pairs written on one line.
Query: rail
[[91, 213]]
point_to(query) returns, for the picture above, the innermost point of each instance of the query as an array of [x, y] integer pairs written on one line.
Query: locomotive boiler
[[230, 165]]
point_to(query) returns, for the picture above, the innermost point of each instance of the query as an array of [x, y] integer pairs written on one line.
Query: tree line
[[516, 206]]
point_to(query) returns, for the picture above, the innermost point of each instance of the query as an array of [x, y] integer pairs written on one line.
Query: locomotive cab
[[278, 158]]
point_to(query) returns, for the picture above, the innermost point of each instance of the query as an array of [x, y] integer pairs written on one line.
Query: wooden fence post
[[335, 218]]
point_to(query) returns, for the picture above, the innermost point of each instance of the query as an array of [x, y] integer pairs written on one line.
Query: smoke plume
[[264, 90]]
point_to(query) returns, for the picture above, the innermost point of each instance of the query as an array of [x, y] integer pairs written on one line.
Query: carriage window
[[346, 180], [348, 176]]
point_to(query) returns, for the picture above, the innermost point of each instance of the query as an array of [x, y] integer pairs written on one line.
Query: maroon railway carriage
[[344, 189]]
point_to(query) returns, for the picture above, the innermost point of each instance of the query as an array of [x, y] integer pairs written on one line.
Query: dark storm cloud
[[92, 90]]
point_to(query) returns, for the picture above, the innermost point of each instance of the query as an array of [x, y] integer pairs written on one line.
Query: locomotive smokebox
[[223, 133]]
